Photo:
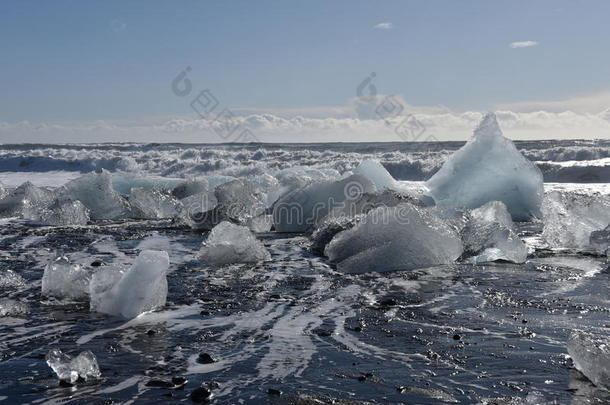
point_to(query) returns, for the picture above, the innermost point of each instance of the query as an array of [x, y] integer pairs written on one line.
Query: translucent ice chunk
[[600, 240], [9, 307], [10, 279], [591, 356], [228, 243], [84, 366], [140, 289], [190, 187], [489, 236], [27, 201], [302, 209], [153, 204], [63, 279], [404, 237], [95, 191], [65, 212], [374, 171], [489, 168], [369, 201], [570, 218], [124, 183]]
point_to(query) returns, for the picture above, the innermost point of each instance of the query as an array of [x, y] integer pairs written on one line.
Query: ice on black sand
[[141, 288], [71, 369], [228, 243], [590, 354], [62, 279]]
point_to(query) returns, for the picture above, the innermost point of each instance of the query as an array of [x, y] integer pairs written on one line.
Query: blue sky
[[99, 60]]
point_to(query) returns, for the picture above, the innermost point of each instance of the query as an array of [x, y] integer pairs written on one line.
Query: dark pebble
[[204, 313], [273, 391], [178, 381], [151, 332], [201, 394], [159, 384], [96, 263], [205, 358], [388, 302], [65, 384], [456, 337]]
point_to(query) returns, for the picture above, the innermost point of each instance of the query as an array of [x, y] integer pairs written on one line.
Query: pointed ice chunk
[[302, 209], [140, 289], [65, 212], [84, 366], [228, 243], [153, 204], [404, 237], [489, 168], [63, 279], [489, 236], [27, 201], [570, 218], [591, 356], [95, 191]]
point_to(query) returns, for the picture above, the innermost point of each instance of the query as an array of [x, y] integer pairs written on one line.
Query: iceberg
[[26, 201], [95, 191], [84, 366], [65, 212], [300, 210], [590, 354], [571, 218], [228, 243], [404, 237], [490, 236], [153, 204], [63, 279], [489, 168], [141, 288]]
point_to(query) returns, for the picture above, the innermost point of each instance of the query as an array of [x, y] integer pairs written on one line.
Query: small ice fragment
[[65, 212], [95, 191], [63, 279], [83, 366], [489, 236], [9, 307], [228, 243], [140, 289], [489, 168], [300, 210], [404, 237], [26, 201], [153, 204], [591, 356], [570, 218], [10, 279]]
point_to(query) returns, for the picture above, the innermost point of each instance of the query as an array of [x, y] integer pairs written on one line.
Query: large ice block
[[65, 212], [570, 218], [403, 237], [300, 210], [153, 204], [489, 168], [95, 191], [228, 243], [590, 354], [141, 288], [26, 201], [62, 279]]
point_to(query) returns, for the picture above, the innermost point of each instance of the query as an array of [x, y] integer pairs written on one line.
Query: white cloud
[[523, 44], [588, 103], [384, 26]]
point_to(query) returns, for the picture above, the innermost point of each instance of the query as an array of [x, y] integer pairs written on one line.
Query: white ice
[[26, 201], [62, 279], [489, 168], [489, 235], [228, 243], [123, 183], [153, 204], [301, 209], [378, 174], [591, 356], [65, 212], [404, 237], [84, 366], [141, 288], [570, 218], [95, 191]]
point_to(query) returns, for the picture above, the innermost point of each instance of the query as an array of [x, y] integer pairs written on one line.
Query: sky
[[291, 70]]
